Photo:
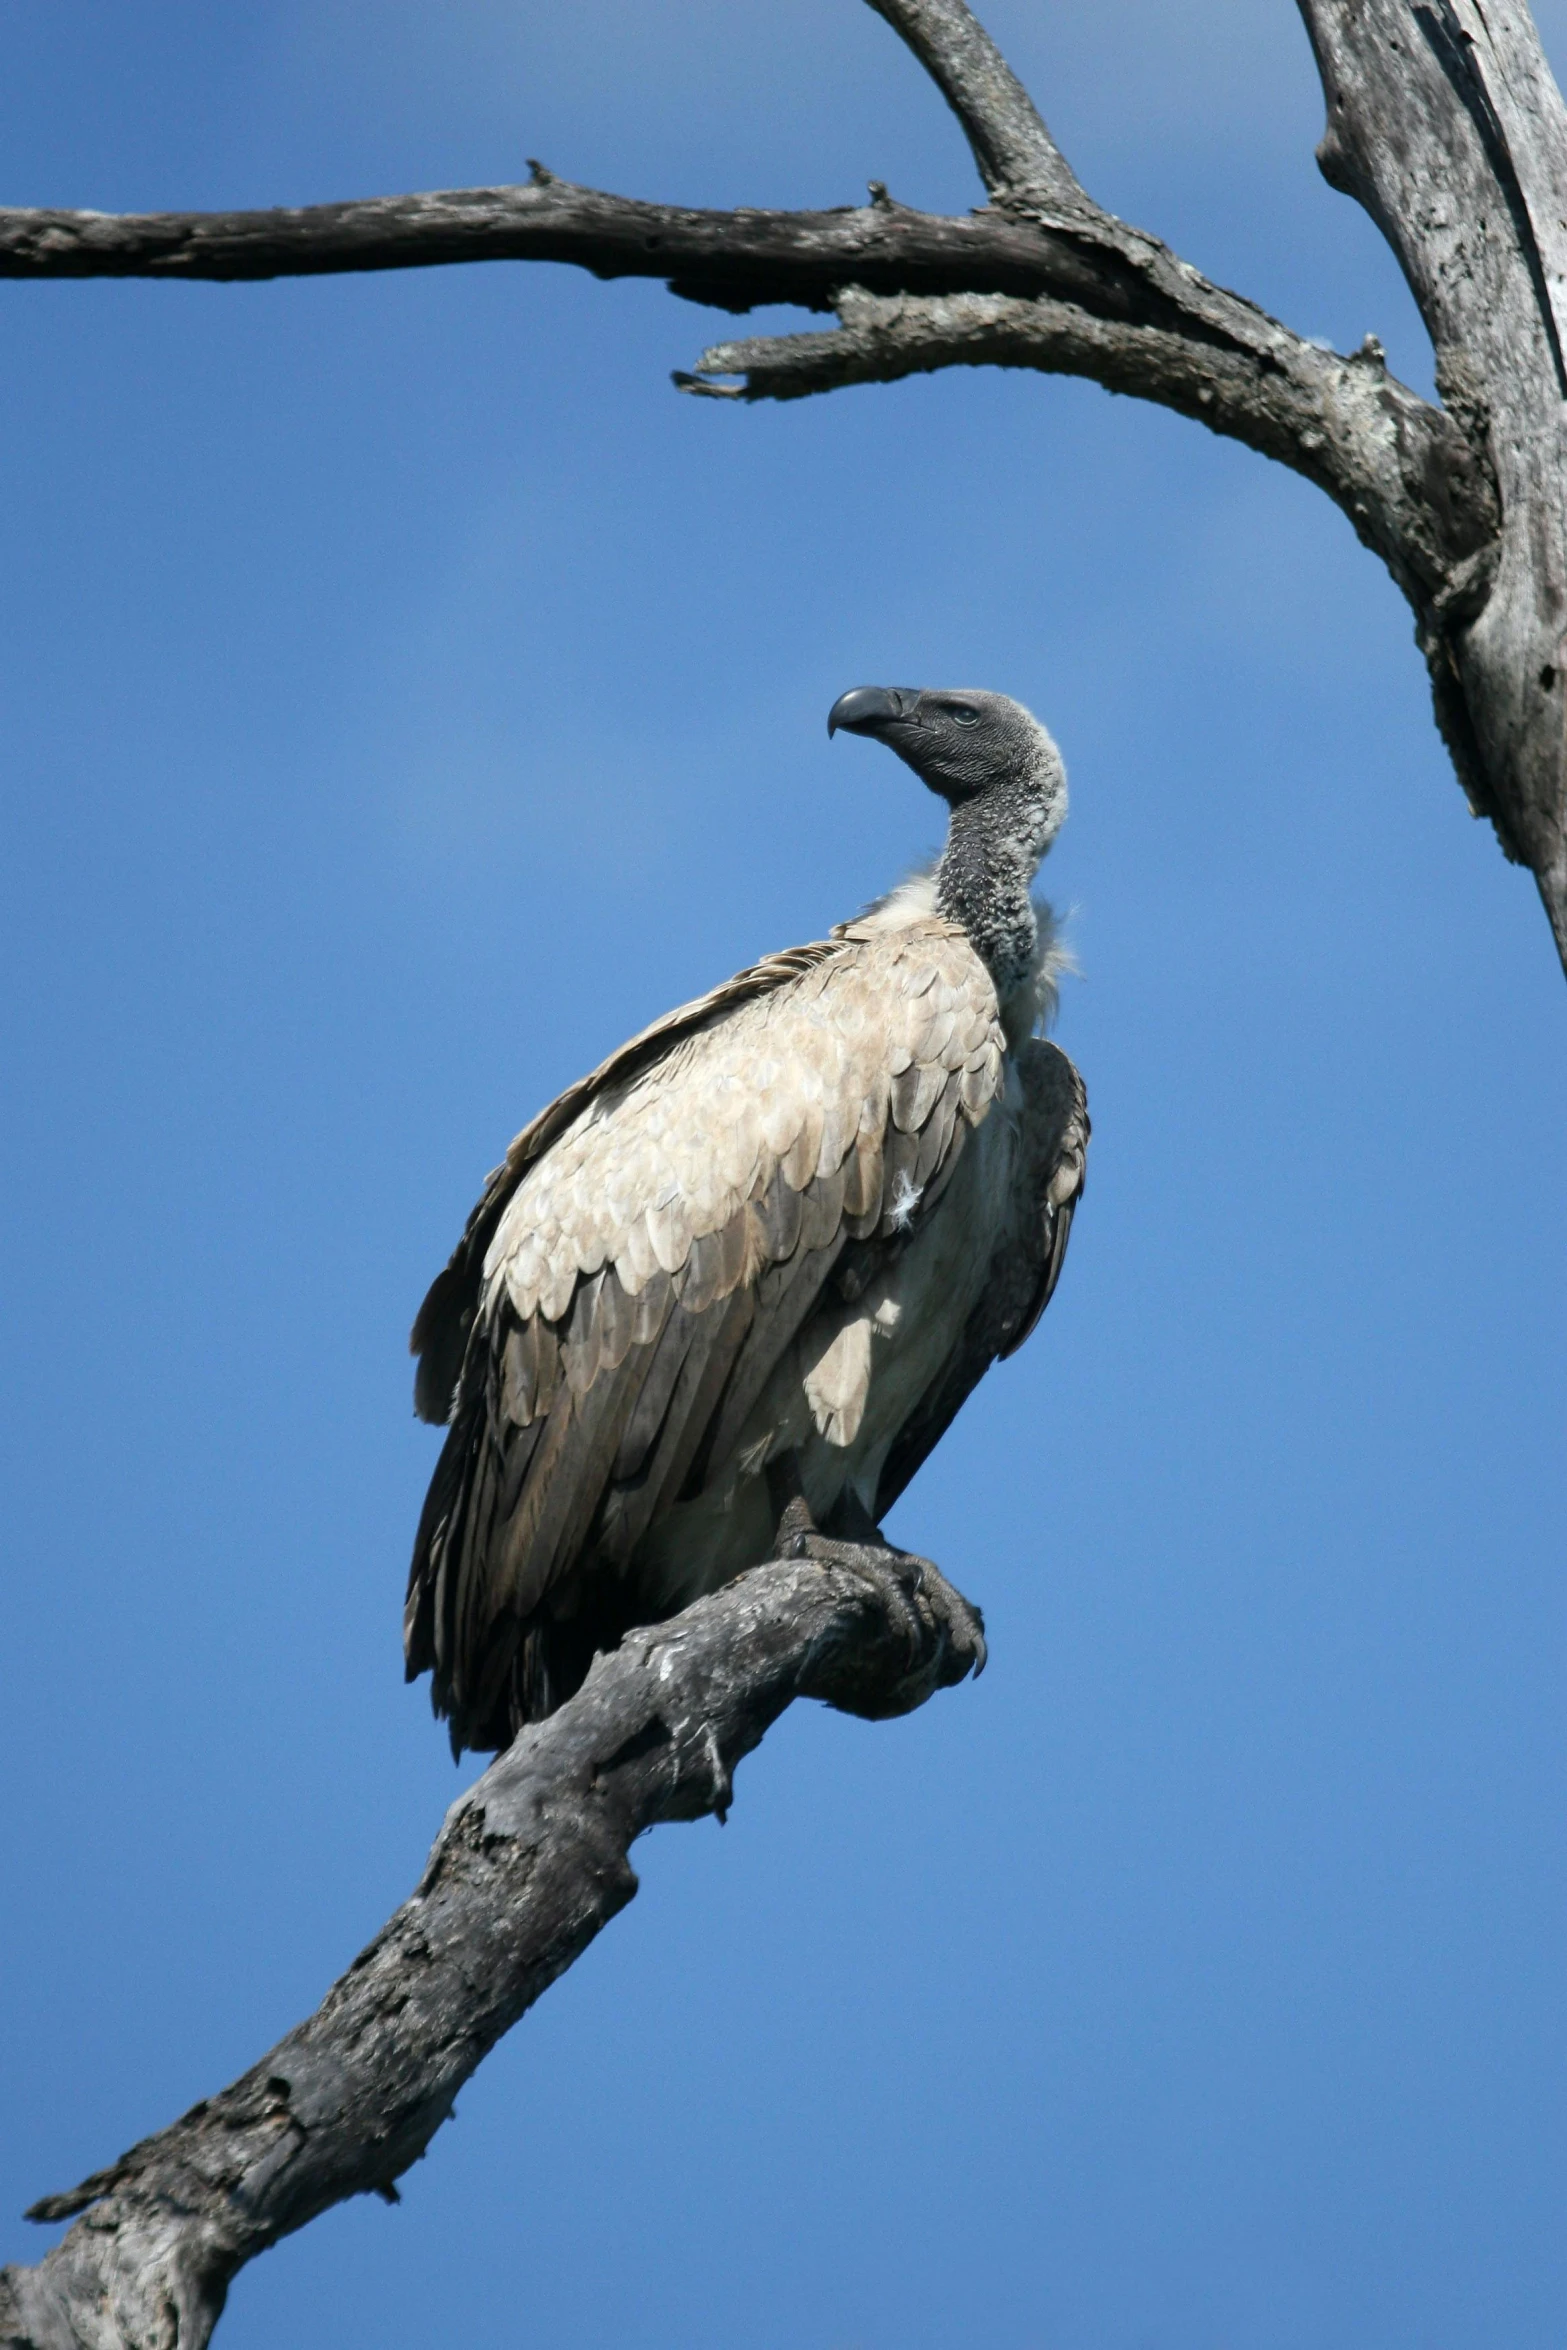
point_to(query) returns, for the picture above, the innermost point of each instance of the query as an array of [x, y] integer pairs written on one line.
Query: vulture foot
[[941, 1636]]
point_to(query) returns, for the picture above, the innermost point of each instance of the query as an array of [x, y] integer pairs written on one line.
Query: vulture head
[[962, 743], [1002, 778]]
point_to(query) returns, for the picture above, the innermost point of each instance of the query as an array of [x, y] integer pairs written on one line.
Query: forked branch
[[530, 1864], [1400, 469], [1089, 296], [1442, 118], [1443, 121]]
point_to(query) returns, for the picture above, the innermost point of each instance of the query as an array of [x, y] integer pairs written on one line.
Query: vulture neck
[[986, 871]]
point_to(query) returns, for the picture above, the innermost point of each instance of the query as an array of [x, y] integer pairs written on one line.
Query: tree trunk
[[1445, 123]]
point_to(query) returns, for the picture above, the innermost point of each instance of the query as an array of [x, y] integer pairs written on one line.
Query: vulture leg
[[786, 1492]]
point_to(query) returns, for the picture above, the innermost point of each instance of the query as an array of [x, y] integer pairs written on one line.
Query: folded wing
[[1026, 1266]]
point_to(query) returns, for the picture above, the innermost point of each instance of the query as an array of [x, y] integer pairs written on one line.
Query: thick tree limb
[[729, 260], [1442, 118], [530, 1864]]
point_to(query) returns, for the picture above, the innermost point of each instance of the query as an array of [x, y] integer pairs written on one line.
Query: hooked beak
[[870, 709]]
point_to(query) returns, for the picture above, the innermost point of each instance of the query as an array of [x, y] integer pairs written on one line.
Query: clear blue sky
[[404, 695]]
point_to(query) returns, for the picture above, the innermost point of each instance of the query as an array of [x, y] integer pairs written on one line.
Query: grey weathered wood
[[1016, 157], [1445, 122], [1443, 119], [729, 260], [530, 1864], [1092, 298], [1405, 475]]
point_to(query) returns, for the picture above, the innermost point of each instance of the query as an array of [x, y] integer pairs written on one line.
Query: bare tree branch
[[1015, 153], [1443, 119], [729, 260], [530, 1864], [1091, 297], [1401, 470]]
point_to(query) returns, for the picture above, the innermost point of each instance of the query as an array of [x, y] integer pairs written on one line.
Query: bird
[[746, 1272]]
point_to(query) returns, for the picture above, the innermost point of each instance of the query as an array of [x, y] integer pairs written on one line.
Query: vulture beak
[[871, 709]]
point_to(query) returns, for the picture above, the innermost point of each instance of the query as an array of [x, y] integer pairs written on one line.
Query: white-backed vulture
[[767, 1249]]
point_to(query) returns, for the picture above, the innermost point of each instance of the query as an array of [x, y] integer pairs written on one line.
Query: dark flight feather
[[1022, 1277]]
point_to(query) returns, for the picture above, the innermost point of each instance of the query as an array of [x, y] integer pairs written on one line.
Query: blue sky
[[404, 695]]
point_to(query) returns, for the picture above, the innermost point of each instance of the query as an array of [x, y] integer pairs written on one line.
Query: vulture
[[759, 1258]]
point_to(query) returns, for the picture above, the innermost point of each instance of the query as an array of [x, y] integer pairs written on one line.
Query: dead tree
[[530, 1864], [1443, 120]]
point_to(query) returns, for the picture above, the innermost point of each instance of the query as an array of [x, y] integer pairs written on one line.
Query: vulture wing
[[1025, 1268], [440, 1332], [636, 1271]]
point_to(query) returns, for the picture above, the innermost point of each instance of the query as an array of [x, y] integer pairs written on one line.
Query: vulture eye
[[965, 717]]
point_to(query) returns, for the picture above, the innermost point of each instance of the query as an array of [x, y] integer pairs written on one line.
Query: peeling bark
[[530, 1864]]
